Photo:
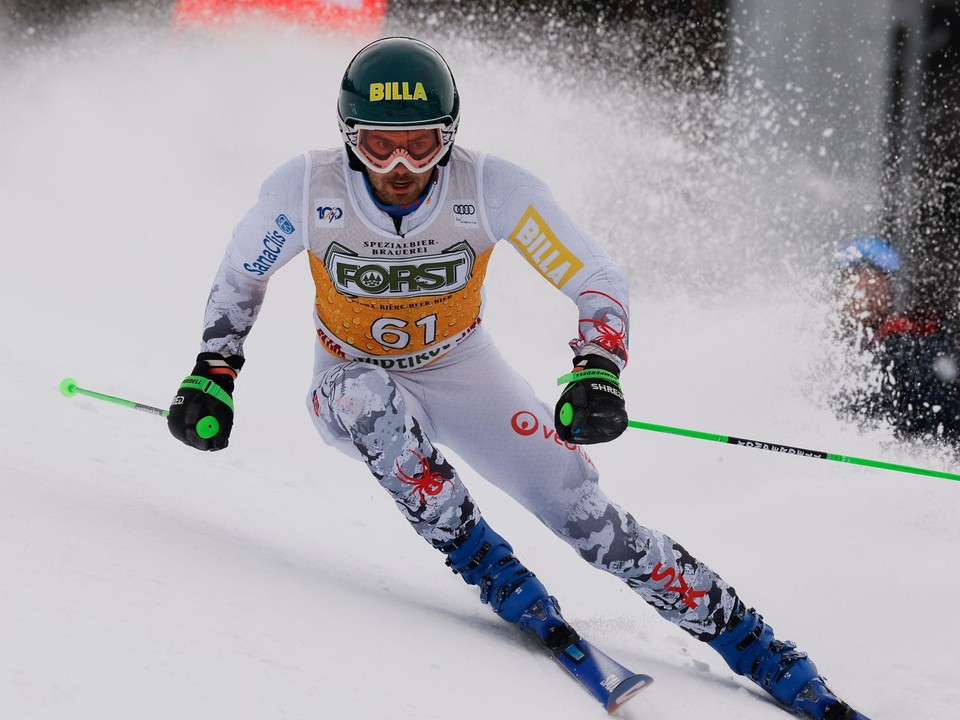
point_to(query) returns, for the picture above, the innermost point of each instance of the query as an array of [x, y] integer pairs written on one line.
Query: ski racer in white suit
[[398, 227]]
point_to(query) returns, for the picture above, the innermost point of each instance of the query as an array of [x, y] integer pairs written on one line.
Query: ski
[[603, 677]]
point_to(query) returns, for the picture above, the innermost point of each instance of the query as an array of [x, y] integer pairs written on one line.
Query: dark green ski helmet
[[398, 82]]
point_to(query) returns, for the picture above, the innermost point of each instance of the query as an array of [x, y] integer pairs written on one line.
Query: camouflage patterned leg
[[362, 404], [683, 590]]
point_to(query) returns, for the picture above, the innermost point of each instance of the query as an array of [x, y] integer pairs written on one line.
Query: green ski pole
[[207, 426], [789, 450]]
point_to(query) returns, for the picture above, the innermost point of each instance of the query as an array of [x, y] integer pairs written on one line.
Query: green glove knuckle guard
[[201, 413]]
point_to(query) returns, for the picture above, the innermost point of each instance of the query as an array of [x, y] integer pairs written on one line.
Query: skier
[[398, 226], [902, 367]]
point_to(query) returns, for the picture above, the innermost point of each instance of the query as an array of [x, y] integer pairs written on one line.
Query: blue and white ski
[[603, 677]]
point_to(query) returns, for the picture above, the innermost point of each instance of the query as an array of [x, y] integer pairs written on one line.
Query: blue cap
[[870, 250]]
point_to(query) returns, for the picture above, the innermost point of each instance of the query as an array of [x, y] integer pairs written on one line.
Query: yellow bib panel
[[397, 301]]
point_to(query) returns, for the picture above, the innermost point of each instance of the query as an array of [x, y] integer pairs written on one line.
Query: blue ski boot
[[485, 559], [750, 648], [544, 621]]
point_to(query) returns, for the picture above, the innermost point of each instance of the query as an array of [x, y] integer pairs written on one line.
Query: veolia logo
[[397, 91]]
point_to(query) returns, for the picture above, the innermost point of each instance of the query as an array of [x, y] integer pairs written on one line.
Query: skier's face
[[399, 186]]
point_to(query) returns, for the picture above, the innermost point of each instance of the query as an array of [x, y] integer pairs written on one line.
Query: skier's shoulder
[[287, 179], [500, 178], [290, 174], [331, 159]]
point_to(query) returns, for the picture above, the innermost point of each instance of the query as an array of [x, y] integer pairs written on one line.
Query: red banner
[[359, 15]]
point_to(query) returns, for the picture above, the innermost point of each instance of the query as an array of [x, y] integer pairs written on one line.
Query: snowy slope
[[141, 579]]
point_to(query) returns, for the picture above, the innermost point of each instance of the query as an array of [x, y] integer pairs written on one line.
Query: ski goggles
[[419, 148]]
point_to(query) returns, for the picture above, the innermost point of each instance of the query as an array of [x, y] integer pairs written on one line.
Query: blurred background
[[867, 92]]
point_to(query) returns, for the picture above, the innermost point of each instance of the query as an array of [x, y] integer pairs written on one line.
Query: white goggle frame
[[351, 136]]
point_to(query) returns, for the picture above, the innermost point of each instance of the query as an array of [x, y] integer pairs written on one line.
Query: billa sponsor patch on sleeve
[[543, 249]]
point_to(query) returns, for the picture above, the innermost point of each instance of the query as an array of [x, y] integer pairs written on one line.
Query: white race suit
[[403, 363]]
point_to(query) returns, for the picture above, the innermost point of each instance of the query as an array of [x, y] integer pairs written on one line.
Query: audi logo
[[464, 210]]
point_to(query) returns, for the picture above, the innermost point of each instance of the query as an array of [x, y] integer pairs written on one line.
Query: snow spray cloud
[[692, 189], [689, 183]]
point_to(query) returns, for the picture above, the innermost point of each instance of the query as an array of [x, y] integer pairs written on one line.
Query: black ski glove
[[201, 414], [591, 408]]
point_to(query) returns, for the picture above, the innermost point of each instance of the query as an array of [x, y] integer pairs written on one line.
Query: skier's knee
[[360, 391]]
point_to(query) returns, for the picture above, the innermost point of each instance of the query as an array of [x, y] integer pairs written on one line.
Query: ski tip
[[625, 690]]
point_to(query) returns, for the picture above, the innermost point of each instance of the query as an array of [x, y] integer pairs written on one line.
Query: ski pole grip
[[208, 386], [208, 426]]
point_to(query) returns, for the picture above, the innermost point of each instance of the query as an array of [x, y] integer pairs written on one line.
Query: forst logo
[[371, 278], [438, 274], [396, 91]]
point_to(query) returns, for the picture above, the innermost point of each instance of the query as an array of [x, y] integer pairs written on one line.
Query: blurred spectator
[[904, 363]]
